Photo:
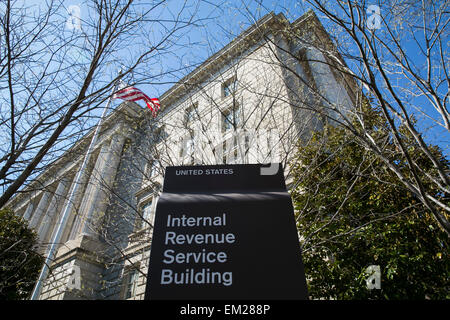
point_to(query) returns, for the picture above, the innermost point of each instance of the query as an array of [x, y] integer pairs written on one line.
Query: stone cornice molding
[[267, 24]]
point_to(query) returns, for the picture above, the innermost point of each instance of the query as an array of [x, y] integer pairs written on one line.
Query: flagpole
[[69, 204]]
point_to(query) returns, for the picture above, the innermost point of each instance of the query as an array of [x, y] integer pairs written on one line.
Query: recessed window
[[191, 114], [152, 169], [229, 87], [231, 118], [131, 280], [148, 215], [230, 150], [187, 150]]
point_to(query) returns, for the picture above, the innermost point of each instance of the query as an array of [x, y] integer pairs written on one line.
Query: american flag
[[134, 94]]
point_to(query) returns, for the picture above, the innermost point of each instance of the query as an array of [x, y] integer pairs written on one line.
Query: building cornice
[[269, 23]]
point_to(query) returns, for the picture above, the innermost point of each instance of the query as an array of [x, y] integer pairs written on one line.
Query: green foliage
[[19, 263], [352, 212]]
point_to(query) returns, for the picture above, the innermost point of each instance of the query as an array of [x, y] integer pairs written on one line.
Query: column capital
[[123, 131]]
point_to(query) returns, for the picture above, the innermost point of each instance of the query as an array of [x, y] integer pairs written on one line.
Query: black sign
[[225, 232]]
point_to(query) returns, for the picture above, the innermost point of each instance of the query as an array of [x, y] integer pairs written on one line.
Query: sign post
[[224, 232]]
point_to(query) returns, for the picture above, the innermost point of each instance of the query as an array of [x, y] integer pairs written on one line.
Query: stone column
[[52, 214], [100, 189], [74, 220], [28, 211], [85, 250], [87, 197], [40, 209], [70, 219]]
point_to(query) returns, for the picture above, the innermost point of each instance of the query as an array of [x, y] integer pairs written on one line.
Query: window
[[131, 281], [229, 87], [247, 142], [231, 118], [152, 169], [187, 151], [230, 150], [191, 113], [148, 215]]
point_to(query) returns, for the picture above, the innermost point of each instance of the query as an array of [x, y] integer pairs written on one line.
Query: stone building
[[251, 102]]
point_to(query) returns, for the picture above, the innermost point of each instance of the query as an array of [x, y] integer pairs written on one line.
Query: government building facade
[[253, 101]]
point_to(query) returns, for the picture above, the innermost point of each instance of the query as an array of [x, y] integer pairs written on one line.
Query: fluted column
[[28, 211], [51, 216], [40, 209], [100, 188], [91, 189], [87, 197], [74, 220]]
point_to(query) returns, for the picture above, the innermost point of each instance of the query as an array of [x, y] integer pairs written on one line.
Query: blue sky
[[227, 19], [221, 21]]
